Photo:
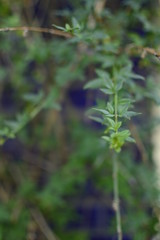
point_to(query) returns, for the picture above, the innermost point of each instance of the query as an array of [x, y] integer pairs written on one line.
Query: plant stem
[[116, 107], [116, 204], [26, 29]]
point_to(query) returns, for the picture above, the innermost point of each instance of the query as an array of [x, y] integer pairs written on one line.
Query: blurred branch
[[25, 30], [99, 6], [129, 48], [143, 51], [139, 142], [40, 220]]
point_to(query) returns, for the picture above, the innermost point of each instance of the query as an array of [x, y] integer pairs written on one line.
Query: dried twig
[[143, 51], [129, 48], [25, 29]]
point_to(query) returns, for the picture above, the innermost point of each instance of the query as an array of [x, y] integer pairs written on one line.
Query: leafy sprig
[[73, 28], [117, 108]]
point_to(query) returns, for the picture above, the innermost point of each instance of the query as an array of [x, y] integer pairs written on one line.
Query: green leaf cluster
[[117, 107]]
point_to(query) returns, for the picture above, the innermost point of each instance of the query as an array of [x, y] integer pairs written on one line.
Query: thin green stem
[[116, 204], [116, 106]]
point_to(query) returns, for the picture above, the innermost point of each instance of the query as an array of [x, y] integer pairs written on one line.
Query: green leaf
[[97, 119], [109, 84], [117, 125], [101, 110], [113, 125], [107, 91], [124, 134], [68, 27], [12, 124], [75, 23], [58, 27], [107, 139], [33, 98], [134, 76], [124, 101], [102, 74], [5, 131], [130, 114], [111, 122], [106, 77], [96, 83], [119, 84], [130, 139], [105, 112], [110, 108], [122, 109]]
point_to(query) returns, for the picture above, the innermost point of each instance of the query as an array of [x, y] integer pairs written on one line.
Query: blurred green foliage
[[57, 150]]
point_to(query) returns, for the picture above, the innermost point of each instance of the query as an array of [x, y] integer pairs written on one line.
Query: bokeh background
[[55, 170]]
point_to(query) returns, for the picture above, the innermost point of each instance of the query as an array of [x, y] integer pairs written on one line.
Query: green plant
[[116, 108], [114, 79], [105, 44]]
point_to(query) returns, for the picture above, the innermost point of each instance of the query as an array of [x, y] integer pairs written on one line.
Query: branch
[[139, 142], [116, 204], [143, 51], [131, 47], [39, 218], [25, 29]]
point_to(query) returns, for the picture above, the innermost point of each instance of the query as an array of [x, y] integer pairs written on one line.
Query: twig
[[40, 220], [128, 49], [25, 29], [99, 6], [139, 142], [142, 50], [116, 204]]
